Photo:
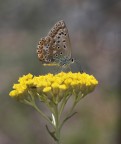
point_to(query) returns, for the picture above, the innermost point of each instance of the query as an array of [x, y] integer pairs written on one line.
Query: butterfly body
[[55, 48]]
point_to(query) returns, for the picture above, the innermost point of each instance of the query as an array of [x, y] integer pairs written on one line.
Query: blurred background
[[95, 32]]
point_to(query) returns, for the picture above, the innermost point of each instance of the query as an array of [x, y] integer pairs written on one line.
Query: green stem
[[42, 114], [31, 102], [57, 123], [46, 102], [63, 105], [73, 106], [69, 114]]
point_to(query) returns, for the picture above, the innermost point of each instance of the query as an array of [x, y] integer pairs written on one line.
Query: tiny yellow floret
[[47, 89]]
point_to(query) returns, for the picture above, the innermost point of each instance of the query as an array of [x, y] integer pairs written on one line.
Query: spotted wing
[[55, 46]]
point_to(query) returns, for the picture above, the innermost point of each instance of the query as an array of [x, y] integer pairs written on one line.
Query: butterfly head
[[66, 62]]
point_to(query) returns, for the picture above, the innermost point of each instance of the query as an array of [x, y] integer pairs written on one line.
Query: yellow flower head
[[54, 87]]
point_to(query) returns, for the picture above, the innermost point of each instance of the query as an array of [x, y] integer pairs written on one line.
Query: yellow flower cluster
[[54, 87]]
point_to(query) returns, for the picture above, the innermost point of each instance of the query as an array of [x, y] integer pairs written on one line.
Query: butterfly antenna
[[78, 63]]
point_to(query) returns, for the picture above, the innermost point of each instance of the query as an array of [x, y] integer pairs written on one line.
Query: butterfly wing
[[55, 46]]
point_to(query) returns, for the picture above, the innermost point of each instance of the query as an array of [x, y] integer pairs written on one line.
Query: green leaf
[[51, 133]]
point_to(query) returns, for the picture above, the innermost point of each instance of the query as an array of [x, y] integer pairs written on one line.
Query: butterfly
[[55, 48]]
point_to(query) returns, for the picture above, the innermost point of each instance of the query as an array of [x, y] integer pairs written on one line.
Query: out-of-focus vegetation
[[95, 32]]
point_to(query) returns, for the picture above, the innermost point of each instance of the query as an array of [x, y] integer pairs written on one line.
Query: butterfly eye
[[72, 60]]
